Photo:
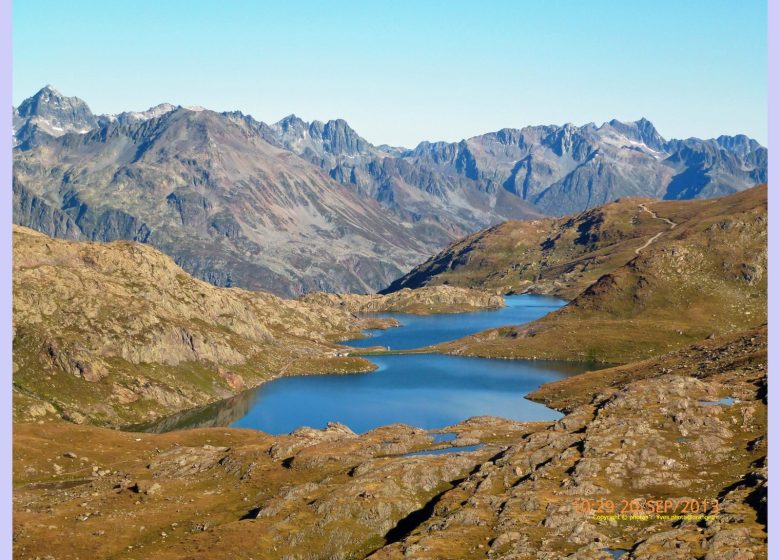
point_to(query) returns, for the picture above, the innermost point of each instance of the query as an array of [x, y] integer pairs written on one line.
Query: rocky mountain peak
[[51, 112], [640, 131], [291, 123], [42, 97], [323, 139], [342, 138], [151, 113], [50, 102], [739, 144], [48, 91]]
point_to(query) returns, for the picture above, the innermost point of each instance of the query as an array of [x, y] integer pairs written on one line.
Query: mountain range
[[294, 207]]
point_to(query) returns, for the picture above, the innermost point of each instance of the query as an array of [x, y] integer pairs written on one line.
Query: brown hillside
[[706, 275]]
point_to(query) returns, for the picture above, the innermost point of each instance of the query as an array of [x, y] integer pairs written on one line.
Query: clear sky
[[403, 71]]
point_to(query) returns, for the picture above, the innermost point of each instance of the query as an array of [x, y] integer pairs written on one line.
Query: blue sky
[[405, 71]]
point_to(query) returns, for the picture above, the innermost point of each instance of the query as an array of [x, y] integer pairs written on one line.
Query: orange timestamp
[[644, 506]]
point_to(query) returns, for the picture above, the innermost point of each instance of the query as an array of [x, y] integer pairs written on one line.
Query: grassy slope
[[706, 276], [552, 256]]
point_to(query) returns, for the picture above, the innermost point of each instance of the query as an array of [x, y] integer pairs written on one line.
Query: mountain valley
[[168, 263]]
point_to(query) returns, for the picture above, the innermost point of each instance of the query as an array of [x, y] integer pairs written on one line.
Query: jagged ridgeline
[[296, 207]]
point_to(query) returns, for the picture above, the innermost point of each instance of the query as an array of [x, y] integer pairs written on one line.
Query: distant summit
[[52, 113], [641, 131], [151, 113], [332, 138]]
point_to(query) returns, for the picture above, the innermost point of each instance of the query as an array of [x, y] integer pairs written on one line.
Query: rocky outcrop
[[651, 436], [424, 301], [117, 333], [688, 427], [40, 216]]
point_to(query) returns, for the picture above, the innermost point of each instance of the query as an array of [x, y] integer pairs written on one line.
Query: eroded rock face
[[655, 430], [49, 113], [560, 169]]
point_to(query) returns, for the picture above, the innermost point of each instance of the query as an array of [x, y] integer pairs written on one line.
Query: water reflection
[[216, 415]]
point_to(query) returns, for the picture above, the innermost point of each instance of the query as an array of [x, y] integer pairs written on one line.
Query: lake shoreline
[[229, 412]]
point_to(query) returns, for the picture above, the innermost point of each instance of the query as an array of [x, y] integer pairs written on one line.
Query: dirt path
[[672, 225]]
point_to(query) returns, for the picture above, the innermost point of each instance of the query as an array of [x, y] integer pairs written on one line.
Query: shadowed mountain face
[[295, 207], [450, 203]]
